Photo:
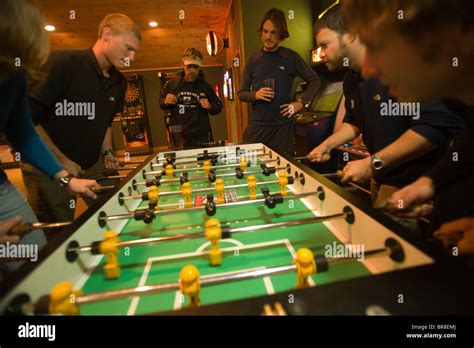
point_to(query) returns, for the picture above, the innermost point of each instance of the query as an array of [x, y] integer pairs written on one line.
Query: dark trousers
[[280, 138]]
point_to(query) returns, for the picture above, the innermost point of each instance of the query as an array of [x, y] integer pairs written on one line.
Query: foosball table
[[233, 230]]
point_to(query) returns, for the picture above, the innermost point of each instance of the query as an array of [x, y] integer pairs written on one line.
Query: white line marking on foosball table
[[177, 300], [268, 285], [240, 246]]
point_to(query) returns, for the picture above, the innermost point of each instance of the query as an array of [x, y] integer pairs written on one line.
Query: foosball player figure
[[108, 247], [169, 171], [153, 197], [283, 181], [206, 166], [189, 284], [187, 192], [305, 266], [213, 234], [243, 163], [62, 300], [220, 190], [210, 205], [252, 185]]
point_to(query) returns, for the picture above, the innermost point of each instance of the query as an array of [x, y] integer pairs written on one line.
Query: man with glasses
[[191, 99]]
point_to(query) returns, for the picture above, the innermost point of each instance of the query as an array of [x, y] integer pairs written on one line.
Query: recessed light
[[153, 24], [50, 28]]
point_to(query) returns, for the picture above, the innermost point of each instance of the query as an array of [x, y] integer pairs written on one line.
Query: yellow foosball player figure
[[109, 248], [187, 191], [283, 181], [153, 197], [220, 190], [213, 233], [305, 266], [252, 185], [189, 284], [169, 171], [243, 163], [206, 166], [63, 299]]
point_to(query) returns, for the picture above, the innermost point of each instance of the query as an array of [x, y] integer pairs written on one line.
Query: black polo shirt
[[77, 103], [436, 123]]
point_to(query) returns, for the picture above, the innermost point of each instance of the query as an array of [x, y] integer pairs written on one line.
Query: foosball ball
[[228, 230]]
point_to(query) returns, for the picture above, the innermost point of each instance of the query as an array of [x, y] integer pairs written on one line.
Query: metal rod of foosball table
[[209, 154], [102, 188], [219, 279], [203, 177], [163, 164], [222, 166], [338, 174], [122, 163], [25, 228], [109, 170], [299, 158], [160, 172], [171, 211], [115, 177], [183, 236], [206, 189], [205, 281]]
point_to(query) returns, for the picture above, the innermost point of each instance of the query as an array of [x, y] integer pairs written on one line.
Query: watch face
[[377, 164]]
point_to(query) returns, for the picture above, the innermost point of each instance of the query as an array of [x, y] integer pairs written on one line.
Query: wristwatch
[[377, 163], [64, 181]]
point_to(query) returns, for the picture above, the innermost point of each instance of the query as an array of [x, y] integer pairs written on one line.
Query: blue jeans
[[13, 203]]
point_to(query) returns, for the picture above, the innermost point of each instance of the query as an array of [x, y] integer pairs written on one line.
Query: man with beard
[[421, 50], [191, 99], [402, 147], [271, 121]]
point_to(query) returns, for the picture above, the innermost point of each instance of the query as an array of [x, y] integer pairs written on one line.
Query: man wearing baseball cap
[[191, 99]]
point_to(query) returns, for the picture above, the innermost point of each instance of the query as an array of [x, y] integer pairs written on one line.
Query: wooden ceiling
[[162, 46]]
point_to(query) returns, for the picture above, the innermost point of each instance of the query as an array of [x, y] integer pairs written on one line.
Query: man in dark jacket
[[191, 99]]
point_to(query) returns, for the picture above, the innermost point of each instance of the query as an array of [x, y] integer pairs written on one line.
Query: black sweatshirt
[[75, 78], [187, 111], [283, 66], [436, 123], [458, 163]]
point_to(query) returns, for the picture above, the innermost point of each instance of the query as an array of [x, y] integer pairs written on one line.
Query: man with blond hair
[[74, 108]]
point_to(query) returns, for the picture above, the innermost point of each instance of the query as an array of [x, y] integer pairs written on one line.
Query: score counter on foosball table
[[200, 227]]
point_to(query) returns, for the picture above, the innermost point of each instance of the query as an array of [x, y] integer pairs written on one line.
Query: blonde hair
[[119, 24], [24, 45]]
